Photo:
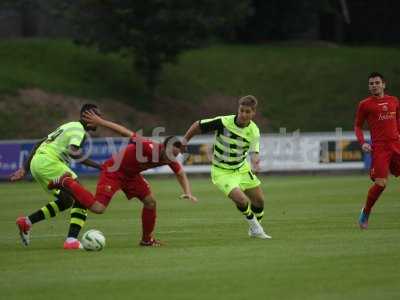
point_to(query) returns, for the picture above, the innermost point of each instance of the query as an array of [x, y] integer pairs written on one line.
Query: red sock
[[373, 194], [82, 195], [148, 223]]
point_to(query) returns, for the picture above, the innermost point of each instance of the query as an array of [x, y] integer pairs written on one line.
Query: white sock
[[253, 221], [71, 239]]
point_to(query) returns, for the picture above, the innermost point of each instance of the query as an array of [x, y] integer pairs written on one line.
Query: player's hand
[[366, 147], [18, 175], [92, 118], [189, 197]]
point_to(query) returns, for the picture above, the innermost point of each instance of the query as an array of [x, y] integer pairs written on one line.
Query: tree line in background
[[155, 32]]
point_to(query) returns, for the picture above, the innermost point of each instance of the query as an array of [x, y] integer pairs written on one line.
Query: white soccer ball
[[93, 240]]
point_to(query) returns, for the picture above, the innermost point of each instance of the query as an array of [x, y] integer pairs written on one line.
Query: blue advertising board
[[14, 153]]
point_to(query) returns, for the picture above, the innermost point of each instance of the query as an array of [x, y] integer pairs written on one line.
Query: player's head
[[247, 109], [171, 148], [89, 107], [376, 84]]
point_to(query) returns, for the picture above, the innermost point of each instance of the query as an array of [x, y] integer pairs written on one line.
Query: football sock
[[258, 212], [373, 194], [49, 211], [80, 194], [148, 223], [78, 218], [246, 211]]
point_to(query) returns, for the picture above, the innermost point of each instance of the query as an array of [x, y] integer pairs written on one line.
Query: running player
[[381, 112], [236, 137]]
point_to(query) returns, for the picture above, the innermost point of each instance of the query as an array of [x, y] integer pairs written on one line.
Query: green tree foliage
[[155, 31]]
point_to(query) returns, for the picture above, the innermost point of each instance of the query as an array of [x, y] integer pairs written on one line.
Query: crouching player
[[122, 172], [48, 160]]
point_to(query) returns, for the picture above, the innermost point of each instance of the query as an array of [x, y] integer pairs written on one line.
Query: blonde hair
[[249, 100]]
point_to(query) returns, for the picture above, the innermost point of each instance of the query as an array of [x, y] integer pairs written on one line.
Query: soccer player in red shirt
[[122, 171], [381, 112]]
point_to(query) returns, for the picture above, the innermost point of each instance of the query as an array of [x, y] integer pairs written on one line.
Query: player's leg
[[106, 187], [251, 186], [78, 213], [229, 183], [138, 187], [84, 197], [43, 168], [50, 210], [256, 197], [241, 201], [149, 216], [379, 173], [243, 204], [77, 221]]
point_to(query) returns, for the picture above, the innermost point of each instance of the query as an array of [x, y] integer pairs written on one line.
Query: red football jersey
[[139, 155], [382, 116]]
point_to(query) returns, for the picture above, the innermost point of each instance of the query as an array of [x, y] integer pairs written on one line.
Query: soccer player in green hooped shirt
[[236, 136], [48, 160]]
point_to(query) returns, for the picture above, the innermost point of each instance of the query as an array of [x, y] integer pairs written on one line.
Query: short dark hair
[[172, 140], [249, 100], [88, 106], [376, 74]]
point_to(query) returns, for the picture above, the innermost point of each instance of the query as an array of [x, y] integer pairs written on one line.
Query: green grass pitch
[[317, 251]]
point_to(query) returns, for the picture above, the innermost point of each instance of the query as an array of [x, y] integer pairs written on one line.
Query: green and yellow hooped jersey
[[232, 143], [57, 143]]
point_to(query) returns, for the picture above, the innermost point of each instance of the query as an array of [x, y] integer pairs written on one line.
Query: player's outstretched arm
[[191, 132], [92, 118], [21, 172], [76, 153], [184, 183]]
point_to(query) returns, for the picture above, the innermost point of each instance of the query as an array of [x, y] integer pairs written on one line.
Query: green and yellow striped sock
[[51, 209], [258, 212], [78, 219], [246, 211]]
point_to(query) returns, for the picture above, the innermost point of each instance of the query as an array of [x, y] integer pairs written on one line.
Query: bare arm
[[192, 131], [255, 161], [185, 185], [75, 152], [358, 129], [208, 125], [91, 163], [92, 118]]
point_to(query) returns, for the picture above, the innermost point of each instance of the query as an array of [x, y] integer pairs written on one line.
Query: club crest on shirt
[[384, 106]]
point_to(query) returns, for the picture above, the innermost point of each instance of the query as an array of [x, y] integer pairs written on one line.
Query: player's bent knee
[[381, 182], [258, 201], [97, 208], [149, 201], [237, 196]]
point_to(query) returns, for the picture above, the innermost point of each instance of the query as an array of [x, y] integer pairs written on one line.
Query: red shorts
[[385, 159], [110, 182]]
